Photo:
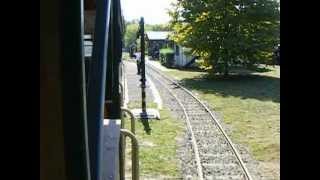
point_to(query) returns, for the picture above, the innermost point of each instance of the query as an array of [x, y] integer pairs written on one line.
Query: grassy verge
[[158, 150], [249, 104]]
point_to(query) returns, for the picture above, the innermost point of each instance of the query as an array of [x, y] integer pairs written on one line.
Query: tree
[[131, 29], [158, 27], [227, 32]]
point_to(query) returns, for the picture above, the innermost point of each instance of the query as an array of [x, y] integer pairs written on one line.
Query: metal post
[[135, 153], [142, 66], [144, 115]]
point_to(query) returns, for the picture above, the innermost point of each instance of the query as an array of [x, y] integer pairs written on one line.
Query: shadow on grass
[[262, 69], [263, 88], [191, 69], [188, 69]]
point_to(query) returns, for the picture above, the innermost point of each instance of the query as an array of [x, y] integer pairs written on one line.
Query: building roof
[[157, 35]]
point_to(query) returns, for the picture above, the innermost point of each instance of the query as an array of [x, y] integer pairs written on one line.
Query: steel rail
[[235, 151], [193, 139]]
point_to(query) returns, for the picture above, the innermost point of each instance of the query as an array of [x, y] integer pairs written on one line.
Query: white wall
[[181, 59]]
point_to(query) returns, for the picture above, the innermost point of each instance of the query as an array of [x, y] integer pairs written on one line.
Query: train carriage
[[81, 91]]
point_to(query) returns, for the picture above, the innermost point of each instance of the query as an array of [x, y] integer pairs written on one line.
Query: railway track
[[214, 155]]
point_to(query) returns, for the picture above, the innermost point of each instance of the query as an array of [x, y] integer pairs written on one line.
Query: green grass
[[249, 104], [158, 150], [137, 104]]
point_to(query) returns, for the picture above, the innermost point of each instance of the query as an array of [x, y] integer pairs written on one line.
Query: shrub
[[167, 57]]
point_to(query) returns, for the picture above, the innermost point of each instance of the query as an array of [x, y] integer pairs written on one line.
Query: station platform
[[134, 89]]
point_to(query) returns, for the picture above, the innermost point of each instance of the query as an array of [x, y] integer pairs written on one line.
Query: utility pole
[[144, 114], [143, 69]]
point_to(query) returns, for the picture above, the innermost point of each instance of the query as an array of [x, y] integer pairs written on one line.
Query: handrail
[[133, 125], [122, 155], [123, 143], [135, 152]]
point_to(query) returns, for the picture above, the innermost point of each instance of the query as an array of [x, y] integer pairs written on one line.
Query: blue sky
[[153, 11]]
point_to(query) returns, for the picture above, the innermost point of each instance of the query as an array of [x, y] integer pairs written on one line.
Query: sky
[[153, 11]]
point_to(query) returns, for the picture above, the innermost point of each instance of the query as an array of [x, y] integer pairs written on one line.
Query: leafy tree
[[131, 29], [157, 27], [227, 32]]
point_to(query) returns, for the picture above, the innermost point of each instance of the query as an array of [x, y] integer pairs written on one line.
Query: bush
[[167, 57]]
